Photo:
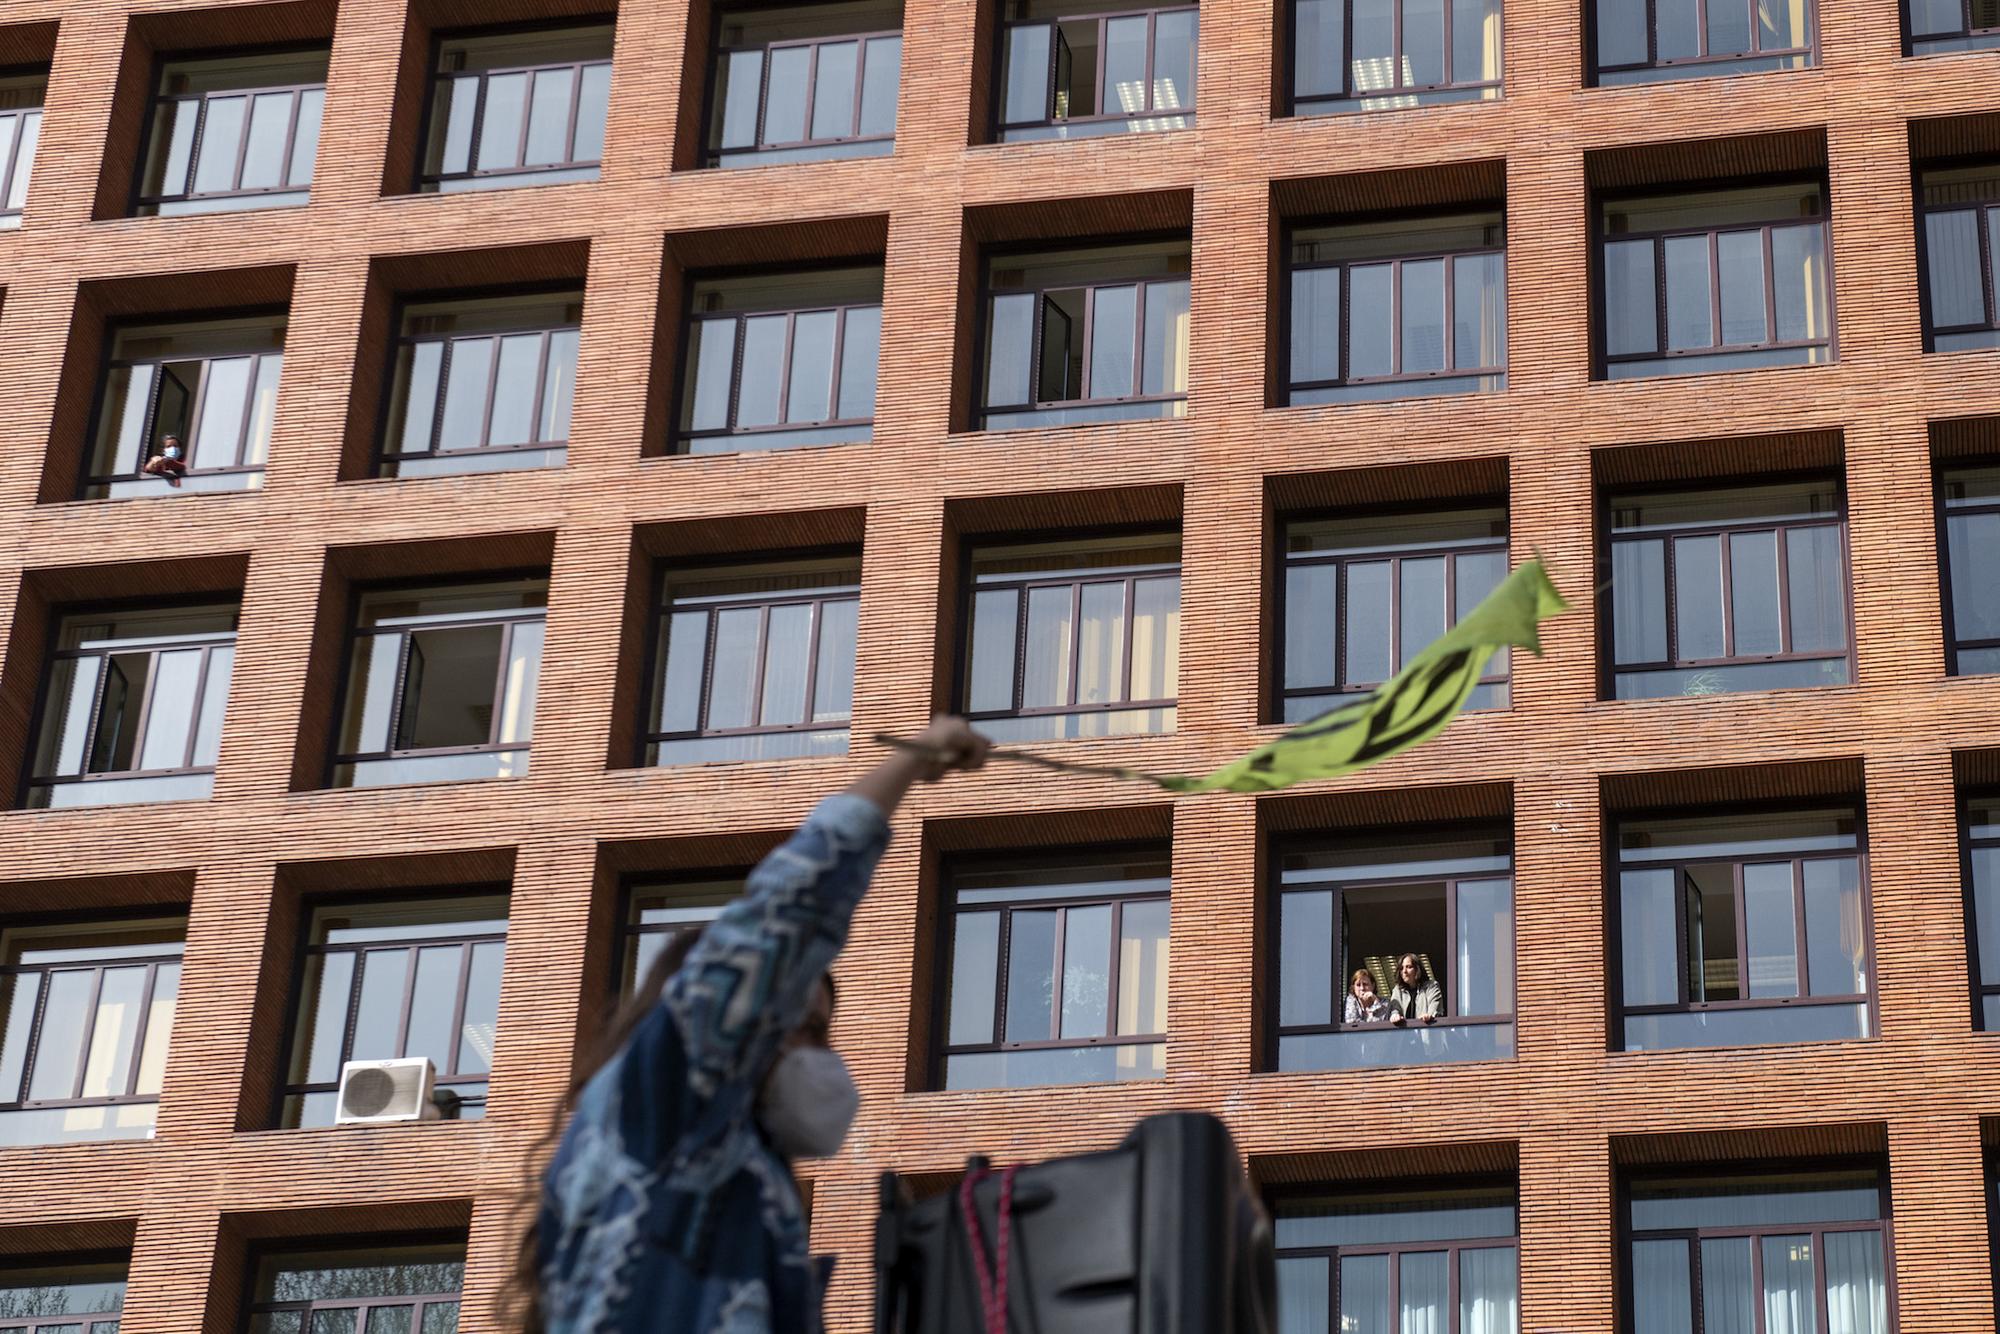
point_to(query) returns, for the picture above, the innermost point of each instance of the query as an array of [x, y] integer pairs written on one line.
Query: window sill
[[1813, 1046]]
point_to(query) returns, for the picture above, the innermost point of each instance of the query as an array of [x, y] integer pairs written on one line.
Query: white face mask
[[808, 1102]]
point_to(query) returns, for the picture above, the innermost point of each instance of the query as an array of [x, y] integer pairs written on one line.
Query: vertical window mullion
[[1138, 387], [500, 671], [785, 367], [1785, 641], [1020, 647], [1056, 976], [1395, 616], [1343, 316], [816, 610], [1130, 613], [1146, 93], [839, 354], [1451, 978], [492, 393], [1742, 907], [759, 663], [1770, 287], [1086, 387], [457, 1008], [707, 670], [1685, 929], [140, 1023], [1111, 968], [1450, 331], [1396, 81], [1347, 88], [478, 138], [1799, 925], [1003, 960], [195, 708], [1075, 692], [575, 111], [249, 409], [1982, 236], [242, 144], [541, 383], [1728, 596], [144, 718], [194, 144], [739, 344], [1396, 289], [88, 1038], [353, 1002], [1662, 341], [409, 1001], [291, 137], [84, 769], [196, 408], [394, 741]]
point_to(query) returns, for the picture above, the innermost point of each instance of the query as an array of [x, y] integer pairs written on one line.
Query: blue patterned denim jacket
[[664, 1211]]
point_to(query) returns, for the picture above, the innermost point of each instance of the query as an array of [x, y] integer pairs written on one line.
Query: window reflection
[[411, 1289], [63, 1296], [805, 83], [1642, 41], [517, 108], [233, 132], [1385, 55], [1971, 499], [1070, 70], [21, 98]]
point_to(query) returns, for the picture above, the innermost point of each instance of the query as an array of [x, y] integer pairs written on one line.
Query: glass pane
[[1315, 325], [1374, 43], [787, 645], [482, 1008], [1423, 42], [221, 137], [263, 408], [1741, 258], [1112, 339], [335, 1322], [501, 120], [1173, 61], [860, 350], [66, 1020], [390, 1320], [1423, 316], [1690, 294], [441, 1318], [1771, 926], [785, 101], [1728, 1293], [371, 694], [1319, 33], [514, 390], [1156, 638], [1311, 604], [680, 683], [18, 993], [1489, 1291], [1936, 16], [737, 631], [1479, 310], [1836, 933], [833, 675], [305, 139], [1631, 304], [1368, 625], [1753, 593], [168, 154], [1816, 579], [1639, 601], [1101, 646], [1972, 543], [1046, 679], [741, 76], [592, 105], [114, 733], [1371, 328], [1698, 630], [548, 123], [1485, 981], [1364, 1295], [1798, 280], [452, 149], [322, 1018], [1679, 29], [1729, 27], [1026, 74], [975, 965], [24, 159], [1647, 923], [558, 387], [1305, 958], [128, 397], [432, 1002], [159, 1029], [378, 1018], [465, 394], [1166, 350], [1142, 968], [1420, 604], [65, 727], [1857, 1287], [171, 713], [113, 1030], [879, 84], [763, 375], [810, 396], [1424, 1293], [711, 363], [1475, 41], [1662, 1288], [1010, 349], [1781, 25], [1791, 1300], [1303, 1292], [264, 156], [416, 396], [1125, 66], [994, 616], [1031, 964], [1713, 970], [448, 683], [1985, 910], [1086, 978], [833, 90]]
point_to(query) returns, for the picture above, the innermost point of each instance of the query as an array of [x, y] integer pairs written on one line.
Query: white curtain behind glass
[[1789, 1305], [1857, 1290], [1489, 1300]]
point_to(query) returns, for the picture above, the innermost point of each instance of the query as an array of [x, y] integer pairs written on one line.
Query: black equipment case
[[1161, 1235]]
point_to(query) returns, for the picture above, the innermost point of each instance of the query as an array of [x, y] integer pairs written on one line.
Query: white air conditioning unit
[[377, 1092]]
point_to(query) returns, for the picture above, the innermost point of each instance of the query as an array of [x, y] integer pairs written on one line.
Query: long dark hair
[[520, 1303]]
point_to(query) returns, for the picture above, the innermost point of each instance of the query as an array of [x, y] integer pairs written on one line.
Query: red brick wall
[[193, 1195]]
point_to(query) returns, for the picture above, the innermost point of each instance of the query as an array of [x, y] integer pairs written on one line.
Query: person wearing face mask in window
[[669, 1205]]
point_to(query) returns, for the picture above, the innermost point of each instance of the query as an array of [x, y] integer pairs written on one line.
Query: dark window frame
[[1609, 666], [1984, 225], [79, 1322], [1945, 508], [304, 949], [712, 153], [354, 631], [1975, 971], [1286, 328], [1625, 1234], [152, 963], [662, 609], [962, 654], [10, 165], [629, 933], [141, 200], [428, 182], [1615, 923], [1098, 116], [1963, 38], [1721, 65], [1451, 91], [681, 440], [384, 457], [360, 1244], [30, 780], [941, 1046]]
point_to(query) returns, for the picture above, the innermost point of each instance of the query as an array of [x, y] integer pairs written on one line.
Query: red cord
[[992, 1282]]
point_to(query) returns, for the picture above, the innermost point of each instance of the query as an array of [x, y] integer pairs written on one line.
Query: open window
[[805, 83], [1071, 70], [233, 132], [521, 107]]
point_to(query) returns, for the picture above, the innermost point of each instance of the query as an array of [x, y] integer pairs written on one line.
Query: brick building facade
[[1215, 454]]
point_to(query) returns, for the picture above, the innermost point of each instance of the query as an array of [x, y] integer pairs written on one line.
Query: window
[[1717, 591], [1958, 240], [1398, 309], [1441, 1261], [1743, 929], [20, 131], [388, 980], [483, 385], [89, 1012], [1725, 280], [233, 132], [1081, 75], [657, 911], [756, 662], [62, 1298], [1982, 881], [1972, 548], [1364, 595], [1759, 1252], [132, 707], [1086, 336], [441, 684], [1941, 26], [1384, 55], [212, 385], [1639, 41], [1074, 639], [1352, 906], [1057, 974], [805, 83], [521, 108], [781, 359], [359, 1289]]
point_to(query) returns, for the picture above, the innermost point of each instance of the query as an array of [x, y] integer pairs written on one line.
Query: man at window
[[1415, 998]]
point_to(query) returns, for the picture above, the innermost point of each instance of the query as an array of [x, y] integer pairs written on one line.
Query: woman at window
[[669, 1205], [1363, 1005], [1414, 998]]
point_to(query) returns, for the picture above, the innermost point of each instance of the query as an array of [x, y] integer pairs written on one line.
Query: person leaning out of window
[[1363, 1005], [1415, 998]]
